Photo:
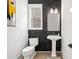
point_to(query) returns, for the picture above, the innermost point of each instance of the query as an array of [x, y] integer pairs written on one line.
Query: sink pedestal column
[[53, 48]]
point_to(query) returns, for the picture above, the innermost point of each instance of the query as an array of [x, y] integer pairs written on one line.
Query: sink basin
[[55, 37]]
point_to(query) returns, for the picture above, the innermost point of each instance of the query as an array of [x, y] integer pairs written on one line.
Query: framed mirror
[[53, 20]]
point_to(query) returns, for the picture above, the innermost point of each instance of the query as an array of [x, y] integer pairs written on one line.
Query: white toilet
[[29, 51]]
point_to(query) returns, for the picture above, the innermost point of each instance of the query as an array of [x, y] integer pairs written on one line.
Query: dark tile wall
[[44, 43]]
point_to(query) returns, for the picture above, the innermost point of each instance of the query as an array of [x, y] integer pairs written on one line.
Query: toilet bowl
[[29, 51]]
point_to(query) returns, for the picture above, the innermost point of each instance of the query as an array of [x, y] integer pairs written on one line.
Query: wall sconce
[[53, 11]]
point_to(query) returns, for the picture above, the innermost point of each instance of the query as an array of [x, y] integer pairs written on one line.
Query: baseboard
[[43, 51], [47, 51]]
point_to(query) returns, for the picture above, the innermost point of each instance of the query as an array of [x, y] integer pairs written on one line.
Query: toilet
[[29, 51]]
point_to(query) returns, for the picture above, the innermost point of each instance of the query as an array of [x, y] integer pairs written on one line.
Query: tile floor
[[47, 56]]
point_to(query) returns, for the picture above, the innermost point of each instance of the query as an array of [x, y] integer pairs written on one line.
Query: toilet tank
[[33, 41]]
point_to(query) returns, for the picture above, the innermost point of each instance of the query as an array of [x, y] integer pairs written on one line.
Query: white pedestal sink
[[53, 38]]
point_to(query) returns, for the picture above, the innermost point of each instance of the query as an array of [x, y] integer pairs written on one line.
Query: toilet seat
[[28, 48]]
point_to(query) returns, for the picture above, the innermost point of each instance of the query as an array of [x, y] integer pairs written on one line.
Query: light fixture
[[51, 11], [56, 11]]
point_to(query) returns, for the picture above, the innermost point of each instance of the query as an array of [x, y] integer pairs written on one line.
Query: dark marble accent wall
[[44, 43]]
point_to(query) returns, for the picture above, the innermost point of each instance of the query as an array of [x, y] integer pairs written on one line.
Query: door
[[66, 29]]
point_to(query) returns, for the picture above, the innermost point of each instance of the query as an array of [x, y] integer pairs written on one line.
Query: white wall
[[66, 29], [17, 36]]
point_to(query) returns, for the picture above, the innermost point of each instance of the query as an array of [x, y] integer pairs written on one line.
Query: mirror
[[53, 20]]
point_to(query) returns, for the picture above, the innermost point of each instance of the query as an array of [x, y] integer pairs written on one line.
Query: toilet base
[[30, 56]]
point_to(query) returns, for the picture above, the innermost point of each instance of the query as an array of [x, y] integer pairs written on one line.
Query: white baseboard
[[43, 51], [47, 51]]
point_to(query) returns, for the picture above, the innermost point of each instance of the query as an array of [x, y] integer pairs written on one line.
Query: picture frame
[[11, 13]]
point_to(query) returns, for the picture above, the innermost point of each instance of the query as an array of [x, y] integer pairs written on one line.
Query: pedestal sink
[[53, 38]]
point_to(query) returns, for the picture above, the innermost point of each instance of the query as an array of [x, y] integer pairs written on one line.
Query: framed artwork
[[11, 13]]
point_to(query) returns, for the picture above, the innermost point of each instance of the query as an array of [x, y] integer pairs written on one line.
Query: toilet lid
[[28, 48]]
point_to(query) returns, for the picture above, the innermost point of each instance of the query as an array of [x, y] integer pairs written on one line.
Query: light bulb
[[56, 11], [51, 11]]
